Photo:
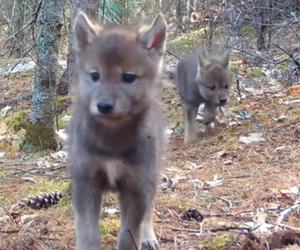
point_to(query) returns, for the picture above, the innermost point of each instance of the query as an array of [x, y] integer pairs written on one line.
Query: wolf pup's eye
[[128, 77], [212, 87], [226, 86], [95, 76]]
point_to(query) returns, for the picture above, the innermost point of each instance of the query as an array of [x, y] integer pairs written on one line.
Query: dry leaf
[[294, 90]]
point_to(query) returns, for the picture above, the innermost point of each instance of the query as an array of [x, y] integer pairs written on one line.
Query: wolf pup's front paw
[[149, 239]]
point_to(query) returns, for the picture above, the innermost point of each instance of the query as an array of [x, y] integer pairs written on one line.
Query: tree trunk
[[40, 133], [190, 7], [17, 22], [179, 12], [261, 20], [91, 8]]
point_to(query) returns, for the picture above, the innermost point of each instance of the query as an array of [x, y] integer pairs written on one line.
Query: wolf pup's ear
[[225, 60], [153, 38], [84, 30], [203, 58]]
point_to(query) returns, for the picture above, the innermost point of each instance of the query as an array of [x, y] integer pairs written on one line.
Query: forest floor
[[233, 189]]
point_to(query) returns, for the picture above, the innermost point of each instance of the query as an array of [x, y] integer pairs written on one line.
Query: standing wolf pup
[[202, 78], [116, 130]]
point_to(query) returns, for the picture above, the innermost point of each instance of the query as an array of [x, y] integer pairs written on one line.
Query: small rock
[[227, 162], [5, 110], [110, 211], [2, 154], [252, 138]]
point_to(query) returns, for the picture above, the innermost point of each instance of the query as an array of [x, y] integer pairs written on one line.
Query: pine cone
[[42, 201]]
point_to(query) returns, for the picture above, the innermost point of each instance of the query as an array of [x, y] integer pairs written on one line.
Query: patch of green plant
[[283, 57], [219, 242], [247, 30], [110, 227], [231, 139], [293, 114], [39, 137], [3, 200], [61, 123], [65, 201], [255, 72], [18, 120], [234, 69], [187, 42], [282, 67], [45, 185]]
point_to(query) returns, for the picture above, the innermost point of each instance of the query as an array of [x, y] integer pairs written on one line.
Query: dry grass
[[251, 177]]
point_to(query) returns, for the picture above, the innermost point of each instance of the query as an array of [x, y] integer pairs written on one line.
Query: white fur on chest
[[114, 170], [198, 76]]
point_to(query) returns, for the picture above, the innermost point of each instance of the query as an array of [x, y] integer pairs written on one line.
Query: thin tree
[[40, 133], [17, 22], [91, 8]]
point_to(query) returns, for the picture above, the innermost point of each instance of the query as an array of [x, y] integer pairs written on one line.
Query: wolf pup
[[116, 129], [202, 78]]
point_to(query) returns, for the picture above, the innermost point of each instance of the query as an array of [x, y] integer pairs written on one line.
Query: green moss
[[247, 30], [293, 114], [234, 69], [47, 186], [281, 67], [255, 72], [231, 139], [65, 202], [3, 200], [61, 123], [188, 41], [219, 242], [18, 120], [39, 137], [283, 57], [110, 227]]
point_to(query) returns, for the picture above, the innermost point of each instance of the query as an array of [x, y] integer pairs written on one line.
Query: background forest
[[237, 188]]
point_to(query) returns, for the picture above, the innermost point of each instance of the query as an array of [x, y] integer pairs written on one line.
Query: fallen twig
[[173, 54], [9, 231], [15, 100], [131, 236], [230, 228], [246, 52], [286, 212], [289, 54]]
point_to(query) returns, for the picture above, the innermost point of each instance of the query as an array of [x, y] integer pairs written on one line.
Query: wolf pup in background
[[202, 78], [116, 129]]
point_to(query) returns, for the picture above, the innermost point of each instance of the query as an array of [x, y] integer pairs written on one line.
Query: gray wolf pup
[[202, 78], [116, 129]]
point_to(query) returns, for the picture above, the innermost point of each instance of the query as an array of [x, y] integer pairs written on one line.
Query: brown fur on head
[[214, 77], [117, 67]]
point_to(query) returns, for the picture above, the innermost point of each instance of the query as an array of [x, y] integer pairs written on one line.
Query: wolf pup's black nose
[[104, 108], [223, 101]]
